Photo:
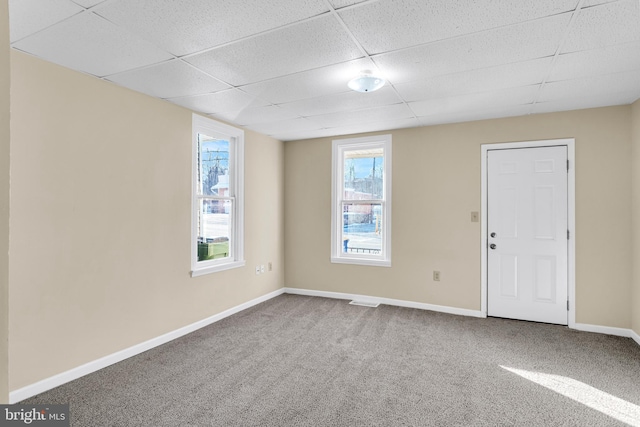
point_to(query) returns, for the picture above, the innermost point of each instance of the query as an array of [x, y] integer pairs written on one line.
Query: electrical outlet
[[270, 266], [262, 268], [257, 269], [436, 276]]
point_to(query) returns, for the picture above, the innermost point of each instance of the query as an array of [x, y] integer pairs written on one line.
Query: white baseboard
[[75, 373], [607, 330], [635, 336], [387, 301]]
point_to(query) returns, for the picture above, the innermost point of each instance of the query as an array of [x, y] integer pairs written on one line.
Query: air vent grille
[[365, 303]]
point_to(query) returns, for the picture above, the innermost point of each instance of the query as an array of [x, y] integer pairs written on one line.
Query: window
[[361, 201], [217, 197]]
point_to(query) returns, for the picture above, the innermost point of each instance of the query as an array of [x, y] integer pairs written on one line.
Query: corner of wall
[[4, 200], [635, 198]]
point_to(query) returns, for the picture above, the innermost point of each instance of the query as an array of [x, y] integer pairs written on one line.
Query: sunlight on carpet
[[583, 393]]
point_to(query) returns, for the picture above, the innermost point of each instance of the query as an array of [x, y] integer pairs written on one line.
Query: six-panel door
[[527, 234]]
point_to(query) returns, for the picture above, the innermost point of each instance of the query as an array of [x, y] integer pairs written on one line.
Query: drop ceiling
[[281, 67]]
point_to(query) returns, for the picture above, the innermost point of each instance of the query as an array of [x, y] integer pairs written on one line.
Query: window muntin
[[217, 197], [361, 210]]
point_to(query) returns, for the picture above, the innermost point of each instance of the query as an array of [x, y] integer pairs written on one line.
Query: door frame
[[571, 217]]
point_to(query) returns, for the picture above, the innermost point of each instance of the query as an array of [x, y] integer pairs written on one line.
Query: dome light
[[366, 82]]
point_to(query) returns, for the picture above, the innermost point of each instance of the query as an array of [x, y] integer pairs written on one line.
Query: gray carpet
[[308, 361]]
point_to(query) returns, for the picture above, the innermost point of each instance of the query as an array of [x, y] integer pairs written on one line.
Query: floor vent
[[364, 303]]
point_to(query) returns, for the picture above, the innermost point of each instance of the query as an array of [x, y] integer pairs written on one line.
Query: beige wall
[[4, 199], [436, 185], [100, 221], [635, 301]]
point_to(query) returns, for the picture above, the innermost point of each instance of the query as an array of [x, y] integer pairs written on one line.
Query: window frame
[[339, 147], [235, 136]]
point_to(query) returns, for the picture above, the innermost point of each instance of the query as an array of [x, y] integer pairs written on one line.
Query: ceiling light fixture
[[366, 81]]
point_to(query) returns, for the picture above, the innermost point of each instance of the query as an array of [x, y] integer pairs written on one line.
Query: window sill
[[361, 261], [216, 268]]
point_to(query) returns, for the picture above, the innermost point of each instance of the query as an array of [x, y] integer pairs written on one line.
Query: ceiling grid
[[281, 67]]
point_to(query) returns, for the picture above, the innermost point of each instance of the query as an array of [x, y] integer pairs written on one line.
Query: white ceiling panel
[[395, 24], [348, 130], [184, 28], [605, 25], [169, 80], [292, 125], [309, 84], [592, 86], [30, 16], [227, 100], [482, 80], [345, 101], [587, 101], [88, 3], [258, 115], [378, 126], [515, 43], [339, 4], [611, 59], [369, 115], [297, 48], [487, 100], [469, 116], [590, 3], [88, 43]]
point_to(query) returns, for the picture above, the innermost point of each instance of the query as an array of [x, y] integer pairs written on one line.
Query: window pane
[[362, 228], [214, 229], [363, 174], [213, 166]]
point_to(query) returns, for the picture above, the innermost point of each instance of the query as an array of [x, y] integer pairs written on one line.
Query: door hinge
[[568, 235], [567, 305], [567, 165]]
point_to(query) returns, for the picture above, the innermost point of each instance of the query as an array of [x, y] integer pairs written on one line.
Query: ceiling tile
[[301, 47], [344, 102], [482, 80], [349, 130], [588, 101], [169, 80], [379, 125], [88, 43], [515, 43], [592, 86], [369, 115], [483, 114], [590, 3], [88, 3], [496, 99], [339, 4], [309, 84], [607, 60], [396, 24], [258, 115], [30, 16], [292, 125], [227, 100], [604, 25], [183, 29]]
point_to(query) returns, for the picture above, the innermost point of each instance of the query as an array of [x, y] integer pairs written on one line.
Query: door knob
[[493, 234], [492, 246]]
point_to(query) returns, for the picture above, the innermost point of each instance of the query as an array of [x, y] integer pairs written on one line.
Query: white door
[[527, 234]]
